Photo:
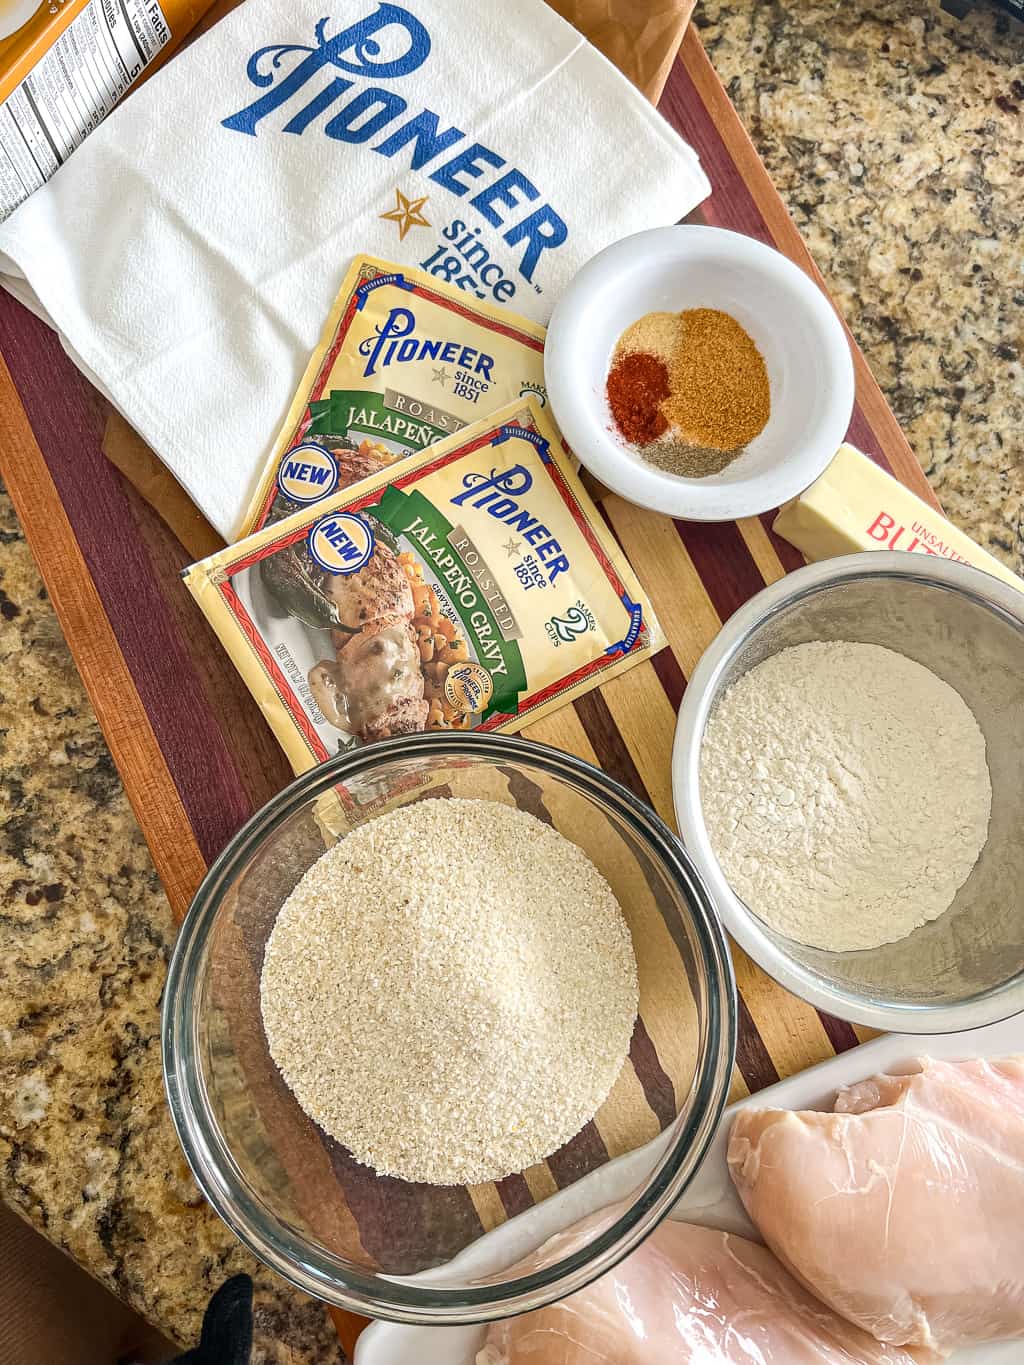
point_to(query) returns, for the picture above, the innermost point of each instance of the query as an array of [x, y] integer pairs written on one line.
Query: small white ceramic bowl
[[810, 369]]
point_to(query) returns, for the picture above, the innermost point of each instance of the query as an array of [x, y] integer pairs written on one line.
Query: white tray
[[710, 1199]]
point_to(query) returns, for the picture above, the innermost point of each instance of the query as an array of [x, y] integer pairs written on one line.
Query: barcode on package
[[72, 88]]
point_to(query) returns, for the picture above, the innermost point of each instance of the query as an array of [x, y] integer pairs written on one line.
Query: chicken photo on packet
[[374, 685], [903, 1209], [471, 585]]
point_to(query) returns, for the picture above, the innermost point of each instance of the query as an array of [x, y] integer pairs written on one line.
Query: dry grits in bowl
[[455, 1029], [434, 982]]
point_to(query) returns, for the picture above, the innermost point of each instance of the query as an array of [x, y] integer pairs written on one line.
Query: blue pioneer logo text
[[500, 495], [328, 88], [393, 343]]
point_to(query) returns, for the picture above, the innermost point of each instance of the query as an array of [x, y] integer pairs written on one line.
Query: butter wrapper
[[404, 360], [473, 586], [855, 505]]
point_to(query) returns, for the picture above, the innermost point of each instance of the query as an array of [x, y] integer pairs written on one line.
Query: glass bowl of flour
[[847, 777], [425, 939]]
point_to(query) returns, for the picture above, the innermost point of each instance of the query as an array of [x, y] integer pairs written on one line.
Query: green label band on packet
[[474, 586], [404, 360]]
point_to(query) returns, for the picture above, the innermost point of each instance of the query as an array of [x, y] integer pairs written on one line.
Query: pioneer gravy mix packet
[[474, 586], [403, 361]]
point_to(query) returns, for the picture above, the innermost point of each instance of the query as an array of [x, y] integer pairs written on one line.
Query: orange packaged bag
[[64, 67]]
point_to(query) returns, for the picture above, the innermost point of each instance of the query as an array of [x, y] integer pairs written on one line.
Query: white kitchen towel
[[189, 252]]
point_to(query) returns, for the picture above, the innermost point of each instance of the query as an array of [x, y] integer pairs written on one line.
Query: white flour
[[846, 793]]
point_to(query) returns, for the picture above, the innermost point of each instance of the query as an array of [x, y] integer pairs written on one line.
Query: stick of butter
[[856, 505]]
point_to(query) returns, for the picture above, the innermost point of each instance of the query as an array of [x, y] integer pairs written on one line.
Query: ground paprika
[[637, 386]]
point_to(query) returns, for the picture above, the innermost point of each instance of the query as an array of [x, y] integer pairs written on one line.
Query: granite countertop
[[895, 136], [87, 1149]]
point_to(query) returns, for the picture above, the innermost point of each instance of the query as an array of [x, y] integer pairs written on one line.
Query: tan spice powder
[[718, 385], [654, 334], [718, 397]]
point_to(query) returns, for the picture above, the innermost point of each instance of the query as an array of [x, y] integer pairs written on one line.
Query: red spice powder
[[637, 386]]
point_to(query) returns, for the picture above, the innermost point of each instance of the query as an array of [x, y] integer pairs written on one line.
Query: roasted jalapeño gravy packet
[[403, 361], [473, 586]]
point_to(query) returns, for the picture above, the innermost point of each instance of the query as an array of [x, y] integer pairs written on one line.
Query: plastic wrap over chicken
[[903, 1209], [689, 1296]]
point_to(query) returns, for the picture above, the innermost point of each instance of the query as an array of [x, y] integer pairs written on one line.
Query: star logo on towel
[[441, 376], [407, 213]]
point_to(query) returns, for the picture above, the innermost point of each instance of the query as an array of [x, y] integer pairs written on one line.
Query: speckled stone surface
[[87, 1150], [896, 136]]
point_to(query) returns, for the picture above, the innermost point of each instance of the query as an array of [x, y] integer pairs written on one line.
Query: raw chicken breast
[[688, 1296], [903, 1210]]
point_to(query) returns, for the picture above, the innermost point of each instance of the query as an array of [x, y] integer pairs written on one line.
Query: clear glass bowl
[[295, 1197]]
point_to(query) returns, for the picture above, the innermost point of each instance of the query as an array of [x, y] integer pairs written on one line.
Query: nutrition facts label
[[71, 88]]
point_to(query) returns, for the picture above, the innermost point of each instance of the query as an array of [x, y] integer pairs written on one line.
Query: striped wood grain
[[191, 747]]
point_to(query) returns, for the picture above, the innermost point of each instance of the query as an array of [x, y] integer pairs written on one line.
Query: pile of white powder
[[450, 991], [845, 792]]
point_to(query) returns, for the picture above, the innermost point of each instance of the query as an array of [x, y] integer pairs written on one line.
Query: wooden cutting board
[[193, 751]]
